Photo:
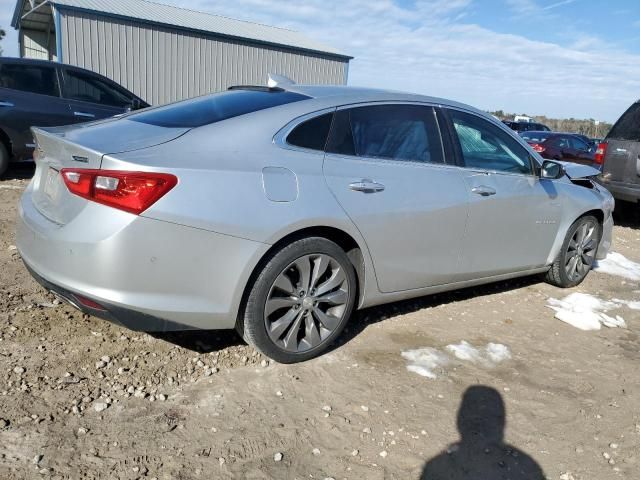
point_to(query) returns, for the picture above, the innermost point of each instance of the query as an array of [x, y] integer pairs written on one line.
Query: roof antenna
[[279, 81]]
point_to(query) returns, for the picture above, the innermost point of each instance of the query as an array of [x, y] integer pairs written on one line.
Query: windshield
[[214, 108]]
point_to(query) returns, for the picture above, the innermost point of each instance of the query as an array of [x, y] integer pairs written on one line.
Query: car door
[[29, 97], [90, 97], [386, 167], [513, 214]]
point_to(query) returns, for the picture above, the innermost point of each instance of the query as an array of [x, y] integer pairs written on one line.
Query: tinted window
[[215, 108], [312, 133], [396, 132], [578, 144], [88, 88], [29, 78], [628, 127], [487, 147], [563, 142]]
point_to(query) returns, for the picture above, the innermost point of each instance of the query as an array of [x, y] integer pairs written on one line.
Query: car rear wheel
[[4, 159], [577, 254], [300, 301]]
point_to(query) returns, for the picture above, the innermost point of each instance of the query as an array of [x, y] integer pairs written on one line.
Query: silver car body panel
[[243, 189]]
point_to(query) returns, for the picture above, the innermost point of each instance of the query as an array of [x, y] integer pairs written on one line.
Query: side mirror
[[551, 170], [135, 105]]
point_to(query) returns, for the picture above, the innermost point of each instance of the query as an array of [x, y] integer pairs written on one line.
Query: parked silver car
[[278, 211]]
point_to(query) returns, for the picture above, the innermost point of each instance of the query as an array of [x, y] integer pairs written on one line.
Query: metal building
[[164, 53]]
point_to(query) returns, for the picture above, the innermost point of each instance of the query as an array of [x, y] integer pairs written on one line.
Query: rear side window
[[215, 108], [628, 126], [29, 78], [395, 132], [312, 134], [88, 88]]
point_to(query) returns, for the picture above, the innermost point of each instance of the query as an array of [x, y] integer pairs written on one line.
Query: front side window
[[487, 147], [578, 144], [29, 78], [394, 132], [312, 134], [87, 88]]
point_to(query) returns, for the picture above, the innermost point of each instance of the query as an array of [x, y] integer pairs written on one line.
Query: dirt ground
[[81, 398]]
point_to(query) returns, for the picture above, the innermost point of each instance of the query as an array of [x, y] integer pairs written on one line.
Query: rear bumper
[[147, 274], [628, 192]]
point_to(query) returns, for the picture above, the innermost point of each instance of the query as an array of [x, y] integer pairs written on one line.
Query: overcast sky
[[560, 58]]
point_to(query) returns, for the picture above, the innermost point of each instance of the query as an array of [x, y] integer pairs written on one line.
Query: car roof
[[348, 94]]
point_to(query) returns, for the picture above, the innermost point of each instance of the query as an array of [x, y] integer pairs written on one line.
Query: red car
[[562, 146]]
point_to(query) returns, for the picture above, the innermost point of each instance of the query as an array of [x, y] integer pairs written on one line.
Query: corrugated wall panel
[[38, 44], [162, 65]]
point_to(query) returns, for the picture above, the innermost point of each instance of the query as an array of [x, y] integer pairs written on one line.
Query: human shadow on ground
[[481, 453]]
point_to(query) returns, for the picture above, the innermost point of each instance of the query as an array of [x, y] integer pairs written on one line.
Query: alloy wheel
[[306, 303], [581, 250]]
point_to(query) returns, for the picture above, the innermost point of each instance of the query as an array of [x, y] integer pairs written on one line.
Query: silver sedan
[[279, 210]]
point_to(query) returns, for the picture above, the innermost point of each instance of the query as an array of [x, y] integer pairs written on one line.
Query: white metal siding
[[162, 64]]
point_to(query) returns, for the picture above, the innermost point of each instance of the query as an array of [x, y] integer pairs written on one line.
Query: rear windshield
[[535, 136], [628, 127], [214, 108]]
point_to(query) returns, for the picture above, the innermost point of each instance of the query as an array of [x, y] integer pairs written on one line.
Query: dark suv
[[40, 93], [620, 155]]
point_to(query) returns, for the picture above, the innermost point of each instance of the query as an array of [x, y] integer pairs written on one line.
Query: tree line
[[586, 127]]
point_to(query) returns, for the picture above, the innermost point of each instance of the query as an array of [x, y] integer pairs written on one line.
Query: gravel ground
[[81, 398]]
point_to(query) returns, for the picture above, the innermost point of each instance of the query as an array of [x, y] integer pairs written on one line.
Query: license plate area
[[52, 185]]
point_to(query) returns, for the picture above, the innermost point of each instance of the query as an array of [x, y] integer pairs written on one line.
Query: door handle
[[84, 115], [6, 104], [366, 186], [483, 190]]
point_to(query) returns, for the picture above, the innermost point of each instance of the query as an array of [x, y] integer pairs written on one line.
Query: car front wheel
[[300, 300], [577, 254]]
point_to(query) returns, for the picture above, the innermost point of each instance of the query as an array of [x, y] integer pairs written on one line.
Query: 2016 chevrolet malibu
[[278, 211]]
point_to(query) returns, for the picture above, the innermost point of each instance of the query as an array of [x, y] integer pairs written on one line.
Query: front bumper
[[147, 274], [607, 237]]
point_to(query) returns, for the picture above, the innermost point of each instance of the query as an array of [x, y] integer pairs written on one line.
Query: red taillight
[[601, 152], [537, 147], [132, 192]]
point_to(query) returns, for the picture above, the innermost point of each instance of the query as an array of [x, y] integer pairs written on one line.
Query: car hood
[[116, 135], [576, 171]]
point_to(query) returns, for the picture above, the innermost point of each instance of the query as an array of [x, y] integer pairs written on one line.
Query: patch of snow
[[629, 303], [497, 352], [618, 264], [488, 356], [585, 311], [426, 361]]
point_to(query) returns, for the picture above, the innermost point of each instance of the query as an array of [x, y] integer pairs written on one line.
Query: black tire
[[258, 329], [4, 159], [560, 274]]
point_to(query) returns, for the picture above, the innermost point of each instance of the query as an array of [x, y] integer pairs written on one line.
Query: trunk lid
[[622, 158], [84, 146]]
